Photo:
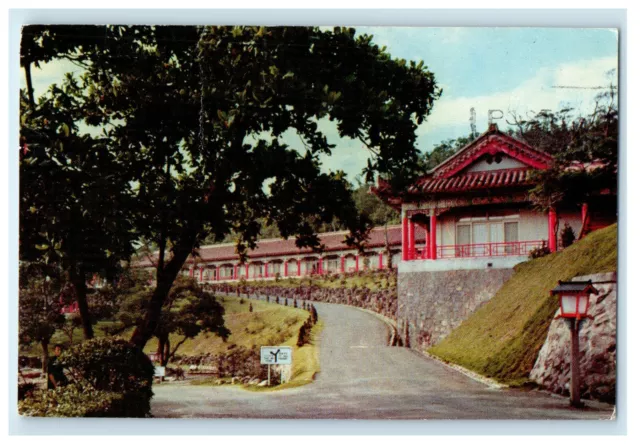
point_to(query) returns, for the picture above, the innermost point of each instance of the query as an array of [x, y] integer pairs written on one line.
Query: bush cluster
[[304, 335], [539, 252], [75, 400], [109, 377], [383, 300]]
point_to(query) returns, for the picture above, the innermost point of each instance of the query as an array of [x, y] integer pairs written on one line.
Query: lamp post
[[573, 298]]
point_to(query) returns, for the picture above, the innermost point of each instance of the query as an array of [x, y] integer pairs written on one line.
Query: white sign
[[275, 355], [158, 372]]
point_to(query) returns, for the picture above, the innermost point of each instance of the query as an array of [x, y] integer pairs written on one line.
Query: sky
[[509, 69]]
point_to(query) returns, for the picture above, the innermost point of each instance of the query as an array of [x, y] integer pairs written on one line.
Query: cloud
[[551, 88]]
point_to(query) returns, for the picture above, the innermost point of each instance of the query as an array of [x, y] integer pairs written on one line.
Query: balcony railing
[[488, 250]]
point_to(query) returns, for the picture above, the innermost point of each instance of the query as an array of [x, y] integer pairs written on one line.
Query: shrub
[[75, 400], [113, 365], [539, 252], [567, 235]]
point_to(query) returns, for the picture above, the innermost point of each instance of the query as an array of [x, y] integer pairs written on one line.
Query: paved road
[[361, 377]]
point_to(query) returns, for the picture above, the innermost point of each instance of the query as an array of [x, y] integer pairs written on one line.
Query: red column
[[432, 237], [266, 269], [299, 267], [357, 263], [412, 241], [286, 268], [218, 273], [320, 270], [235, 271], [190, 272], [553, 242], [201, 272], [426, 252], [405, 239], [246, 270], [380, 260], [342, 264]]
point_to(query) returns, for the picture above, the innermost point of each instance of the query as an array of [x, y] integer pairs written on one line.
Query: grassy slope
[[268, 324], [502, 339]]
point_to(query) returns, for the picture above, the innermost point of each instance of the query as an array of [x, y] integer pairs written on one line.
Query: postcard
[[318, 222]]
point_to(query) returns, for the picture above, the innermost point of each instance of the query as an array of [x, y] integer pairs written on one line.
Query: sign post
[[280, 355]]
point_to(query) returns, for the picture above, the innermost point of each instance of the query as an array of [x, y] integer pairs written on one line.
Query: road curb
[[390, 323], [465, 371]]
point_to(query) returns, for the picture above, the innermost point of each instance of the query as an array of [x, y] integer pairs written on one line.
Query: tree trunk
[[387, 248], [160, 349], [172, 354], [165, 280], [27, 72], [45, 358], [166, 353], [79, 281]]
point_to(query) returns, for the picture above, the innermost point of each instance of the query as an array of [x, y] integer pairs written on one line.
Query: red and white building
[[474, 209], [281, 258]]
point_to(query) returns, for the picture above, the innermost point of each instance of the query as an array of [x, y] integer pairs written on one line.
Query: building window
[[486, 238]]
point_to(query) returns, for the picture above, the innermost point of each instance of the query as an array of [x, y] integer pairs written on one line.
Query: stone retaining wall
[[597, 347], [433, 303]]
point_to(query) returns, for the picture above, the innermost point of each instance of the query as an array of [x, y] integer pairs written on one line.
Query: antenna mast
[[472, 120]]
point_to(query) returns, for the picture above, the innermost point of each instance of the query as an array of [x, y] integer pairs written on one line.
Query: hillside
[[502, 339]]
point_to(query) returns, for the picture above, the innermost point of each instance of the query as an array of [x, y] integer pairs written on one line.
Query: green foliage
[[502, 338], [39, 305], [111, 365], [304, 334], [539, 252], [567, 235], [374, 209], [444, 150], [191, 121], [188, 311], [575, 142], [75, 400]]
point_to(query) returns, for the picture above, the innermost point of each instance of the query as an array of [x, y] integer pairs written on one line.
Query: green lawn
[[268, 324], [502, 339]]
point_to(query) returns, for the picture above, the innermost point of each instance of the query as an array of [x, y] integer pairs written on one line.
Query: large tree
[[585, 148], [74, 199], [196, 118]]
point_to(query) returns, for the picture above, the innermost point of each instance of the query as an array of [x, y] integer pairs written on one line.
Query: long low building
[[282, 258]]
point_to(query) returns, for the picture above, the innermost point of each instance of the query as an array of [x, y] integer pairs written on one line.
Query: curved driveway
[[361, 377]]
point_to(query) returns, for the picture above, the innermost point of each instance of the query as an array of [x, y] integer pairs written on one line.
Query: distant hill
[[502, 339]]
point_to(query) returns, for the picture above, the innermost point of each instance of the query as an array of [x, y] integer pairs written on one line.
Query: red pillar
[[426, 252], [246, 270], [201, 272], [412, 241], [235, 271], [299, 267], [320, 270], [286, 268], [218, 273], [405, 239], [357, 263], [342, 264], [432, 237], [266, 269], [190, 272], [553, 242], [380, 260]]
